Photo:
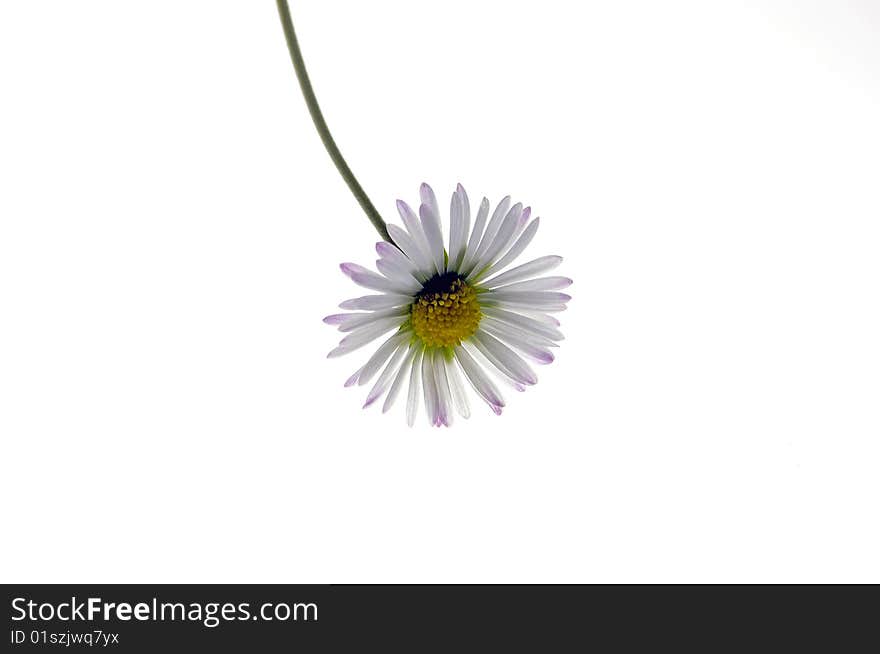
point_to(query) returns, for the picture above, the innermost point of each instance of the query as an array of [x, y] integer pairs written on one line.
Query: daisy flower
[[453, 308], [455, 311]]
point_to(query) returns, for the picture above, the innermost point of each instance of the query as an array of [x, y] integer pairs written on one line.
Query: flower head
[[454, 311]]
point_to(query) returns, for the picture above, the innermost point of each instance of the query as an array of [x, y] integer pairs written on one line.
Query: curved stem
[[321, 125]]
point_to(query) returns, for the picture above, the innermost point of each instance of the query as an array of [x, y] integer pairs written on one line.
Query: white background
[[170, 229]]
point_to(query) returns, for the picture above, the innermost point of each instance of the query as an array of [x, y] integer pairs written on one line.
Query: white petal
[[501, 239], [540, 284], [399, 258], [524, 271], [444, 395], [399, 380], [478, 378], [521, 222], [536, 299], [521, 243], [429, 387], [414, 227], [364, 335], [456, 387], [411, 249], [368, 279], [541, 317], [426, 194], [494, 225], [511, 331], [458, 243], [350, 321], [429, 212], [548, 308], [374, 302], [509, 360], [456, 231], [415, 376], [398, 274], [539, 353], [515, 305], [431, 225], [521, 225], [386, 377], [470, 254], [492, 365], [381, 355], [525, 322], [504, 237]]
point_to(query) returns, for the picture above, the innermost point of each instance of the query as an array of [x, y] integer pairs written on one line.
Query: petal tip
[[348, 268], [405, 211]]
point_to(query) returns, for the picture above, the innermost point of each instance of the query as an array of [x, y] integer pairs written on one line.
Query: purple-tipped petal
[[375, 302], [520, 244], [524, 271], [352, 268], [421, 247], [503, 358], [387, 375], [380, 356], [478, 378], [426, 194], [399, 379], [384, 249], [530, 298], [351, 381], [376, 282], [539, 284]]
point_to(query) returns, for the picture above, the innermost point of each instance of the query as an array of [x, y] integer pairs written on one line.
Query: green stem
[[321, 125]]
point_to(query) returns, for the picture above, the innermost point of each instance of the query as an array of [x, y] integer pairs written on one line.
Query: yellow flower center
[[445, 311]]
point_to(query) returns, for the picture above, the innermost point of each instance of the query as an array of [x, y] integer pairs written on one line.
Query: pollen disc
[[445, 311]]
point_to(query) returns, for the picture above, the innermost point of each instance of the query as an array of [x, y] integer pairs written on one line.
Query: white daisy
[[453, 311]]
